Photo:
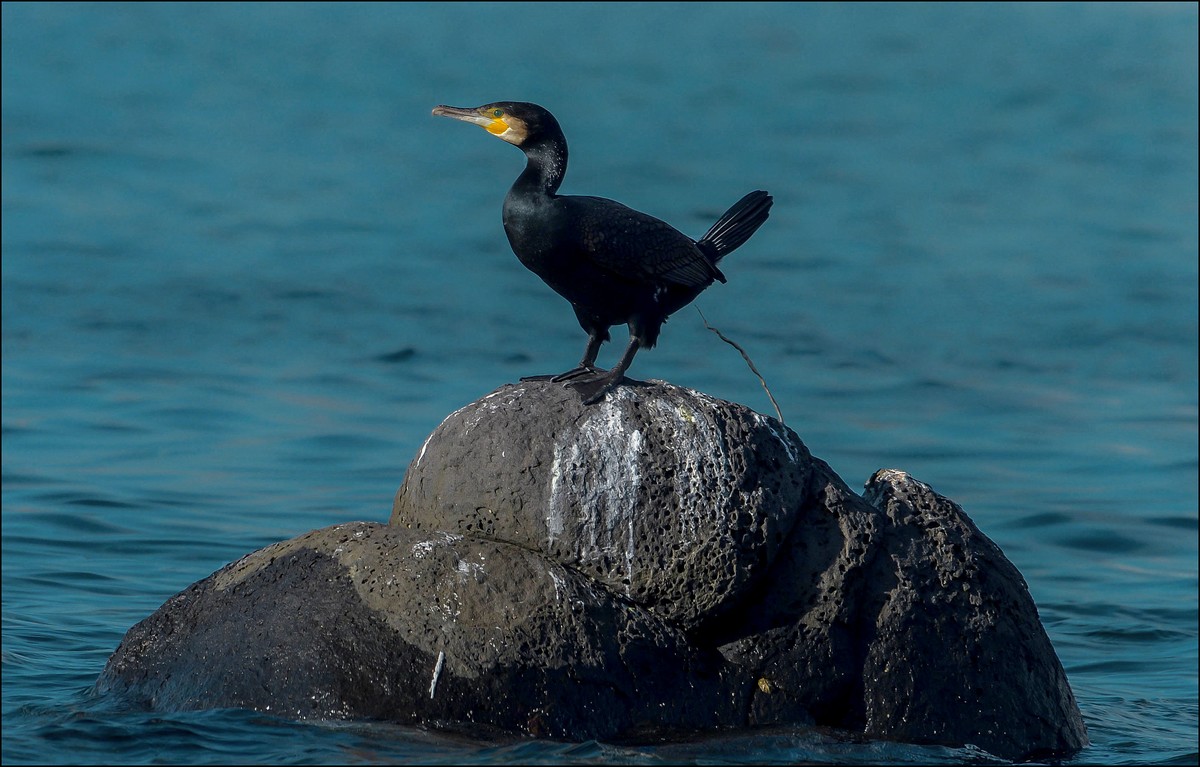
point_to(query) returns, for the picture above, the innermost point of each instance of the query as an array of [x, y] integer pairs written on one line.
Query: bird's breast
[[534, 233]]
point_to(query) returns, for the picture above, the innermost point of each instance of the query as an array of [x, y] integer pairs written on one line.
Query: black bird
[[614, 264]]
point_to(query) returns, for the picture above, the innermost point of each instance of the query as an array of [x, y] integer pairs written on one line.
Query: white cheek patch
[[513, 136]]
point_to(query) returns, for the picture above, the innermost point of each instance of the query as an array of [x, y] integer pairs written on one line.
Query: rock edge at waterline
[[660, 561]]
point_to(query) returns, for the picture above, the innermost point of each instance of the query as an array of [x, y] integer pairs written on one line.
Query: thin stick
[[746, 357]]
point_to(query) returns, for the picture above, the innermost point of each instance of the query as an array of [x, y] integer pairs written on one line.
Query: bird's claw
[[591, 382]]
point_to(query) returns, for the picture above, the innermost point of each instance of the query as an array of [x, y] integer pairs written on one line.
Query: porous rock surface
[[660, 560], [667, 497], [367, 620]]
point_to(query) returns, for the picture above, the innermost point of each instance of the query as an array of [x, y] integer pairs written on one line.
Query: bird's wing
[[629, 243]]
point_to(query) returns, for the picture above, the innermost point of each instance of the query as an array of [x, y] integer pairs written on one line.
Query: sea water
[[245, 273]]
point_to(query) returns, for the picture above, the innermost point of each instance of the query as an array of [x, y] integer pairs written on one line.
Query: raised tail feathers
[[736, 226]]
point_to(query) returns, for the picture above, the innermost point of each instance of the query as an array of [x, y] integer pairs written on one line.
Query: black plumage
[[614, 264]]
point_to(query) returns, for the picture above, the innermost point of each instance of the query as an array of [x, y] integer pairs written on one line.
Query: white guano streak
[[601, 472], [559, 501], [437, 671]]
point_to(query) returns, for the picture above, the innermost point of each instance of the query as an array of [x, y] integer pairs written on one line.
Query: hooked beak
[[459, 113], [497, 126], [489, 124]]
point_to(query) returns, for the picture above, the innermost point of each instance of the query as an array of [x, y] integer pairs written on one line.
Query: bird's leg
[[594, 389], [587, 365]]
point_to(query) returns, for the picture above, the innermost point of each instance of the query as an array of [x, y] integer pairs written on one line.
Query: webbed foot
[[592, 390], [578, 372]]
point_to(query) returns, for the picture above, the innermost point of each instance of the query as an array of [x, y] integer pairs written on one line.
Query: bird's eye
[[497, 113]]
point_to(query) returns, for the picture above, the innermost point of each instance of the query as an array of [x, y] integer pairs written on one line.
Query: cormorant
[[614, 264]]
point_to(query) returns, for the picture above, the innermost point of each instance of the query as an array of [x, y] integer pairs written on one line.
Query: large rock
[[661, 560], [370, 621], [665, 496]]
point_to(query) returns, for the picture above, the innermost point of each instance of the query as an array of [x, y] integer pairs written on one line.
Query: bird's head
[[517, 122]]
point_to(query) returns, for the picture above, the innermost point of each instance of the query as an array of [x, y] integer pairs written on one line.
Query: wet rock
[[365, 620], [661, 560], [986, 673], [918, 630]]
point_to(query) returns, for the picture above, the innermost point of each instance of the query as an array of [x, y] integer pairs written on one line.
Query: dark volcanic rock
[[986, 672], [666, 496], [659, 560], [367, 620]]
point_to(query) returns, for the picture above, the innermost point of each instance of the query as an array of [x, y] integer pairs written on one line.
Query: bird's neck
[[544, 171]]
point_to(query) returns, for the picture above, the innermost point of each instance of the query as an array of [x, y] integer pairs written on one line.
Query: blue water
[[245, 273]]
